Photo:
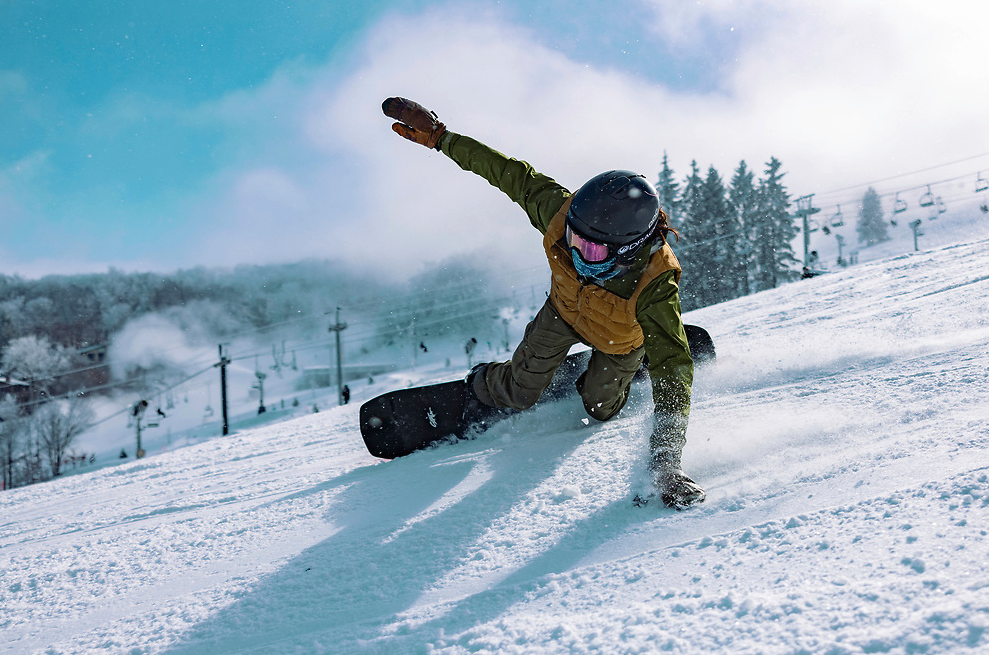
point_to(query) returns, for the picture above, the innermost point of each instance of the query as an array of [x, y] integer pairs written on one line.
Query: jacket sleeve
[[671, 369], [539, 195]]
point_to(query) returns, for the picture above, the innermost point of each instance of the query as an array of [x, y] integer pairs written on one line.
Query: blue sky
[[164, 135]]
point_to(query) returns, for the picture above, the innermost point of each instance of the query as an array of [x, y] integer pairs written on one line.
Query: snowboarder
[[614, 287]]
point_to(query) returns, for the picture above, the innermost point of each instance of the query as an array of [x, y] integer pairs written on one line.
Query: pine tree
[[871, 226], [724, 233], [692, 256], [669, 192], [774, 231], [744, 204]]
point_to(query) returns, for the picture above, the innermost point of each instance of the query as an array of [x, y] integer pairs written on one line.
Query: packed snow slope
[[843, 438]]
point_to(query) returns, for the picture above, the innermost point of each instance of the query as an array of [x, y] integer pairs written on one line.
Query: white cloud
[[849, 90], [842, 92]]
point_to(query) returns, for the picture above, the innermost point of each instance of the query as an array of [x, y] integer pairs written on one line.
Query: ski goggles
[[592, 251]]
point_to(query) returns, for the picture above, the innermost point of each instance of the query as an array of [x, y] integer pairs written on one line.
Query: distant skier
[[614, 287], [345, 394]]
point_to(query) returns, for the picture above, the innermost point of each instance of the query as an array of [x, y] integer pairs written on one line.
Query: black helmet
[[618, 208]]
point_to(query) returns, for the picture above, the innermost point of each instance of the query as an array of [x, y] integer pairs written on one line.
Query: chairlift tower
[[339, 327], [805, 210], [260, 387], [137, 412], [222, 365], [917, 232]]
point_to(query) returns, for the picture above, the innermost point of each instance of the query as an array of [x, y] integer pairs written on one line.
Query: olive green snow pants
[[520, 382]]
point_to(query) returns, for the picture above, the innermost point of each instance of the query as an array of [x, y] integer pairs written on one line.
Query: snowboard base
[[404, 421]]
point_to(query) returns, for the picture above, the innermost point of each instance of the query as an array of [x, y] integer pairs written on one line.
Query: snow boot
[[479, 416]]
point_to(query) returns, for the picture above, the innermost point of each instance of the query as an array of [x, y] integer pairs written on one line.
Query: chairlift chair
[[837, 220], [274, 356], [899, 206], [927, 199], [981, 184]]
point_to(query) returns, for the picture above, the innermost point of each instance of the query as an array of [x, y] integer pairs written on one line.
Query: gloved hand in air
[[415, 122]]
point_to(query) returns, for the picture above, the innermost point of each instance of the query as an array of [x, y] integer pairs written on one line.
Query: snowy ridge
[[842, 438]]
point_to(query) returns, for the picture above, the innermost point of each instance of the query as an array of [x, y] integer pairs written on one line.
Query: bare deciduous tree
[[57, 424], [11, 428]]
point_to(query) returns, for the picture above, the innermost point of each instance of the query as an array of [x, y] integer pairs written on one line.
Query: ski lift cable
[[711, 240], [207, 355], [849, 199], [374, 330], [96, 366], [389, 300], [357, 307], [952, 198], [411, 308], [378, 303], [902, 175], [110, 385], [127, 408]]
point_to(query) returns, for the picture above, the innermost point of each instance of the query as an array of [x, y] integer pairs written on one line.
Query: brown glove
[[415, 122]]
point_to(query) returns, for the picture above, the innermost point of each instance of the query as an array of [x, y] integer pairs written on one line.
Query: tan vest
[[603, 319]]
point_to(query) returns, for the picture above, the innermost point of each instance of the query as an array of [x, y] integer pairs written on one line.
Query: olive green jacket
[[671, 368]]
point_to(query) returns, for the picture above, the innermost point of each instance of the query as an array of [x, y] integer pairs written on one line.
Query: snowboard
[[401, 422]]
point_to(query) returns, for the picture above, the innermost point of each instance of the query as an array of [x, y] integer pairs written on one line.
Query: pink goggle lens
[[591, 251]]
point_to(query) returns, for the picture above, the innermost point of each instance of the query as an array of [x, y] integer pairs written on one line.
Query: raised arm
[[539, 195]]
